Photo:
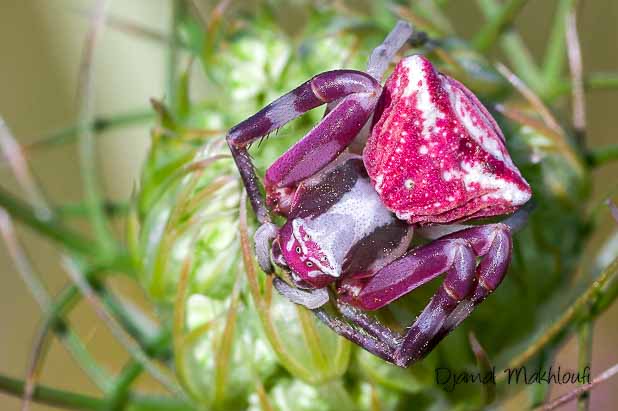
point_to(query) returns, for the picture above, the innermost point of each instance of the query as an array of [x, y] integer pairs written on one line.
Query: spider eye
[[309, 264], [297, 250]]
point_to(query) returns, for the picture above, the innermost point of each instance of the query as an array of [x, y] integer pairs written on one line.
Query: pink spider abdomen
[[435, 154]]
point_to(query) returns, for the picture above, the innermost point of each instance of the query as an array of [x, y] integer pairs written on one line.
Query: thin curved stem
[[178, 328], [97, 125], [485, 367], [602, 80], [515, 49], [54, 314], [555, 54], [604, 376], [134, 322], [290, 362], [117, 331], [225, 345], [87, 146], [584, 359], [599, 156], [72, 401], [576, 68], [596, 81], [40, 349], [53, 309], [119, 394], [178, 13], [76, 210], [16, 158], [50, 227], [51, 396], [494, 28], [571, 316]]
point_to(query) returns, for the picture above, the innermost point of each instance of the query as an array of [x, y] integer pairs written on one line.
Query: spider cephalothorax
[[434, 158]]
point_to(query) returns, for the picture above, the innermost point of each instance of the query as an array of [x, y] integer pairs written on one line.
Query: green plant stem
[[579, 311], [136, 352], [492, 30], [601, 80], [430, 11], [178, 13], [513, 46], [599, 156], [54, 320], [97, 125], [88, 159], [225, 344], [136, 30], [555, 54], [146, 335], [51, 228], [100, 377], [54, 310], [66, 300], [112, 209], [289, 362], [73, 401], [119, 393], [312, 339], [484, 365], [592, 81], [584, 359], [52, 396]]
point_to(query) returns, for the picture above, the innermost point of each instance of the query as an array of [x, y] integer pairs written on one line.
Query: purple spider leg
[[488, 277], [369, 342], [370, 325], [457, 285], [490, 273], [357, 94], [464, 287]]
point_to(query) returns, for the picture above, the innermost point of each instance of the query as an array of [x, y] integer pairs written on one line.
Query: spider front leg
[[357, 93], [465, 286]]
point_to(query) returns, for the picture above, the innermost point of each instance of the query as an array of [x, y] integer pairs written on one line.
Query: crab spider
[[432, 157]]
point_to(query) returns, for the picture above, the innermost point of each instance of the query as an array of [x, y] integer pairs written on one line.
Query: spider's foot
[[263, 237]]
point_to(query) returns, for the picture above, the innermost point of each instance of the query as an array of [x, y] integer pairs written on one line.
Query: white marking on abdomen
[[356, 215]]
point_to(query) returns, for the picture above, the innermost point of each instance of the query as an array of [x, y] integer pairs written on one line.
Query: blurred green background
[[41, 43]]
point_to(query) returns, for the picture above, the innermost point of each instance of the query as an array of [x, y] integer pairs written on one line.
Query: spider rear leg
[[369, 342], [382, 55], [370, 325], [457, 285], [490, 274], [464, 287]]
